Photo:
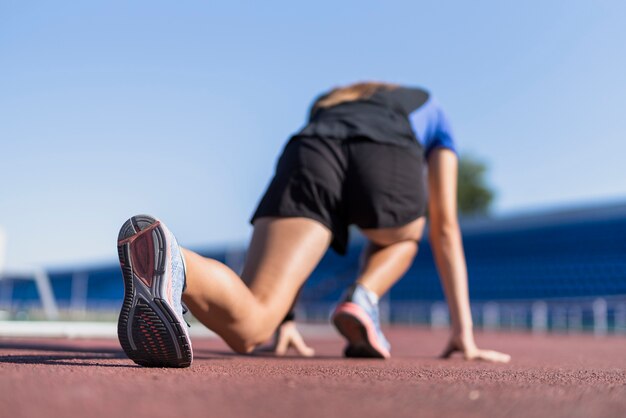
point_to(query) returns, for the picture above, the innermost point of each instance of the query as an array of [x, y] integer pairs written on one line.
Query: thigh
[[282, 254]]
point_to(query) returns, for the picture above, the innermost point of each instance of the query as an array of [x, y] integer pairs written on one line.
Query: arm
[[445, 236]]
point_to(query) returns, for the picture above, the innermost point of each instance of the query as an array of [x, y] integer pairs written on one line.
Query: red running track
[[550, 376]]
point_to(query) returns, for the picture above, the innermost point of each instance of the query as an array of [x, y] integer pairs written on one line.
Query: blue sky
[[179, 109]]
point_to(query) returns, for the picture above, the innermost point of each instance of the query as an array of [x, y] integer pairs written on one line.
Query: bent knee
[[243, 347], [247, 345], [245, 342], [384, 237]]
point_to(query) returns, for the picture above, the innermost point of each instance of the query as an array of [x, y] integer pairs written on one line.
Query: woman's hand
[[287, 335], [467, 347]]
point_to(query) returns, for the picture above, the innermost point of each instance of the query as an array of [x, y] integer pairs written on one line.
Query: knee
[[410, 233], [242, 347], [246, 345], [408, 244], [241, 343], [247, 340], [404, 244]]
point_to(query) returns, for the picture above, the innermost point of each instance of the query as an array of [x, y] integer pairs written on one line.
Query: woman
[[359, 161]]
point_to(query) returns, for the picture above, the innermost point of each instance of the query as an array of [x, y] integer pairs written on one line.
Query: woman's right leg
[[282, 254]]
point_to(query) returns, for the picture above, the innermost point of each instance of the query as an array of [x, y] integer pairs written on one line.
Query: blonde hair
[[350, 93]]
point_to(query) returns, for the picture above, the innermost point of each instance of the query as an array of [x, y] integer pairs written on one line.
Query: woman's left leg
[[386, 258], [282, 254], [389, 255]]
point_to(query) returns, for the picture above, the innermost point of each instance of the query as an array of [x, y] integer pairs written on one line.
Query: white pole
[[78, 302], [539, 317], [600, 325], [45, 292], [438, 315], [491, 316], [620, 318]]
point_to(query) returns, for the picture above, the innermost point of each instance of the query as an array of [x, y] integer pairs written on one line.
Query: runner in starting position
[[360, 160]]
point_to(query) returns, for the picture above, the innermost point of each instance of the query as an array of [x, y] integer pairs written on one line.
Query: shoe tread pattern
[[155, 332]]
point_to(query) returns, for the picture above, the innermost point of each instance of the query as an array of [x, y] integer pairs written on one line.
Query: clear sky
[[179, 109]]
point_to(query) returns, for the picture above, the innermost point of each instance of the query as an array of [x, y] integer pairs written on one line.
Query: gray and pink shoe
[[151, 327], [357, 318]]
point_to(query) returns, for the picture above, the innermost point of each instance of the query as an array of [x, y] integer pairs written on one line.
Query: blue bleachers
[[581, 258], [544, 258]]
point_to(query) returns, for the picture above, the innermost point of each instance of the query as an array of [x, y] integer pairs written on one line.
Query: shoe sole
[[356, 326], [148, 328]]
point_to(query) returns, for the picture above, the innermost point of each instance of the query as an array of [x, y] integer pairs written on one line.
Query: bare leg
[[389, 255], [282, 254]]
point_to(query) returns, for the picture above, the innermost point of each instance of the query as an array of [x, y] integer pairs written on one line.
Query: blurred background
[[108, 109]]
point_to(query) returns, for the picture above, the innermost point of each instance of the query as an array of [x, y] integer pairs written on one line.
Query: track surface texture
[[549, 376]]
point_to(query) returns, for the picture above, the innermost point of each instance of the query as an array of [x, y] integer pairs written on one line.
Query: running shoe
[[357, 318], [151, 327]]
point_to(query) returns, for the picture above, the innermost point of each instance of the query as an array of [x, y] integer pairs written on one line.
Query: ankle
[[373, 297]]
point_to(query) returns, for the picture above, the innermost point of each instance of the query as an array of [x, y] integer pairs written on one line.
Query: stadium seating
[[547, 257]]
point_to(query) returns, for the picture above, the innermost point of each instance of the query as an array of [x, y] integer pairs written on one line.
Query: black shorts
[[347, 182]]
